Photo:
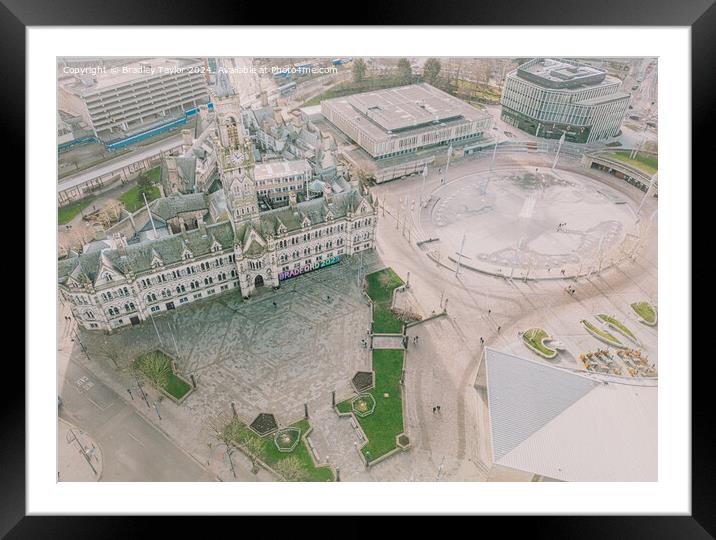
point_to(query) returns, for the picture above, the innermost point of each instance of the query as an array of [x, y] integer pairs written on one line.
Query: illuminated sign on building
[[308, 268]]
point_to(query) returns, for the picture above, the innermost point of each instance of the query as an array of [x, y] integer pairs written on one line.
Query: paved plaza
[[272, 353], [294, 346], [528, 221]]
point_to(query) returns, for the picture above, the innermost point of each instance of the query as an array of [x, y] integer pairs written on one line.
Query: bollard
[[193, 381]]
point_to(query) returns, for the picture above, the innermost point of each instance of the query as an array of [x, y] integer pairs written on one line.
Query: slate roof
[[138, 257], [186, 170], [175, 204]]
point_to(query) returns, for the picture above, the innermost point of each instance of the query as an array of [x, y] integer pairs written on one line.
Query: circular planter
[[363, 405]]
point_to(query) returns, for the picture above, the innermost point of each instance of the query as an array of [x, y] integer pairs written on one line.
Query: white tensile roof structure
[[566, 426]]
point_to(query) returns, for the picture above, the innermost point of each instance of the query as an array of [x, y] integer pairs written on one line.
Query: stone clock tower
[[234, 153]]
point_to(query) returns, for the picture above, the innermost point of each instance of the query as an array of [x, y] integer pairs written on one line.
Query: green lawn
[[133, 201], [649, 163], [386, 422], [154, 174], [65, 214], [174, 385], [619, 326], [380, 287], [602, 334], [272, 456], [646, 311], [535, 337]]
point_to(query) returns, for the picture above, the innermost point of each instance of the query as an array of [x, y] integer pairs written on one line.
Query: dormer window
[[186, 255], [107, 276]]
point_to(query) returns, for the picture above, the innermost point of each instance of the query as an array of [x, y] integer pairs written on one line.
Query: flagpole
[[559, 148], [422, 190]]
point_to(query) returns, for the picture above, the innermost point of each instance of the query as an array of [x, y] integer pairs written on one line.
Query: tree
[[145, 185], [431, 70], [405, 72], [359, 69], [254, 448], [224, 429], [155, 368], [110, 351], [291, 469]]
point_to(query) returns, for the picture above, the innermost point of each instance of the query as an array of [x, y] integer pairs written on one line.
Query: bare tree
[[359, 69], [110, 350], [291, 469], [253, 447]]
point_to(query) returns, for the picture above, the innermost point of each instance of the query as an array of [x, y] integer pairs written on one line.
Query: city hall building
[[547, 97], [403, 120], [181, 249]]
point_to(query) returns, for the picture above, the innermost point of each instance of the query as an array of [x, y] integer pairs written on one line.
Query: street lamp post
[[447, 167], [459, 254], [651, 183]]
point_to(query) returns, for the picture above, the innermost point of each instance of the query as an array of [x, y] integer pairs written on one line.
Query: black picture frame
[[699, 15]]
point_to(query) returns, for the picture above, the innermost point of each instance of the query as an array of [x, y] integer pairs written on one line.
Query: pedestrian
[[416, 340], [498, 329], [489, 312], [434, 409], [438, 408], [482, 340], [328, 297], [274, 304]]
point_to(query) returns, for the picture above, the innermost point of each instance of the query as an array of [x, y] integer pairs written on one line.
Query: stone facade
[[116, 283]]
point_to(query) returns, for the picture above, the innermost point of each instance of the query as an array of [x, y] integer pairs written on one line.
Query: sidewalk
[[73, 445]]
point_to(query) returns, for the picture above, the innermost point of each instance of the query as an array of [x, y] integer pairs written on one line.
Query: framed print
[[290, 262]]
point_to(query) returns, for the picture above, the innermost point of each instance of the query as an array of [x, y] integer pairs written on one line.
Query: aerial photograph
[[357, 269]]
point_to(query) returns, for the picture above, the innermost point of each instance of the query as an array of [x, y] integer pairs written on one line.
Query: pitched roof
[[176, 203], [567, 426], [186, 171], [138, 257]]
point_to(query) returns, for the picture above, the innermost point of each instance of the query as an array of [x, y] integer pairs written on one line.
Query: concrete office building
[[125, 100], [404, 120], [547, 97]]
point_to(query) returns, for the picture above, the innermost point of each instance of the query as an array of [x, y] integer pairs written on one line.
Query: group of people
[[570, 290], [561, 226], [436, 409]]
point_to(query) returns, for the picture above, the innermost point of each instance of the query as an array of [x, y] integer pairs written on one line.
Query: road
[[132, 448]]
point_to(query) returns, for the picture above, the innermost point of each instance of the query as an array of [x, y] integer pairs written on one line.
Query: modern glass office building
[[547, 97]]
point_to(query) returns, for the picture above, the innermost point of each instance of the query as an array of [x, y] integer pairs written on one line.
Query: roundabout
[[529, 222]]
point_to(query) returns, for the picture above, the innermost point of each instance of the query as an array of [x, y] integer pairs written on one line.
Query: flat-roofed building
[[277, 179], [128, 99], [403, 120], [547, 97]]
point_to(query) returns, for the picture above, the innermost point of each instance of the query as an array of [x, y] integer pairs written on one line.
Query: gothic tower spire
[[234, 152]]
